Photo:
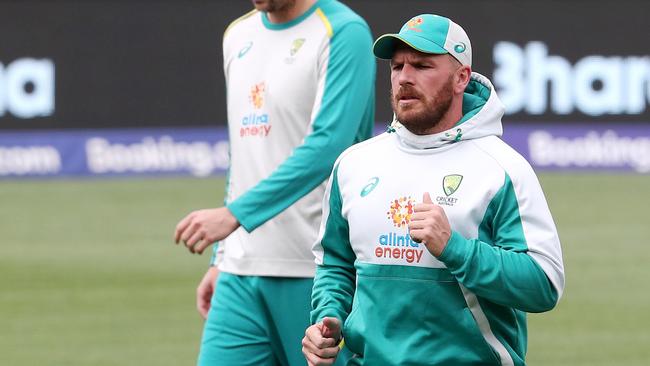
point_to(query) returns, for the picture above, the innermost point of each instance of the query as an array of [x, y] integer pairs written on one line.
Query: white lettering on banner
[[595, 85], [27, 88], [156, 155], [29, 160], [593, 150]]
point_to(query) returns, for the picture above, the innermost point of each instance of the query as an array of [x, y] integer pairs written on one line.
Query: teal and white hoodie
[[400, 304], [299, 93]]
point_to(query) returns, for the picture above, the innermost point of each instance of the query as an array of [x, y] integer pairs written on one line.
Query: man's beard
[[275, 5], [434, 108]]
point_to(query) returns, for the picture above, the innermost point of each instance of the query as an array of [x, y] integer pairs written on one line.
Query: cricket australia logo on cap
[[450, 185]]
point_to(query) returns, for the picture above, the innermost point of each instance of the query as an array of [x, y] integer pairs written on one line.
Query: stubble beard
[[434, 109]]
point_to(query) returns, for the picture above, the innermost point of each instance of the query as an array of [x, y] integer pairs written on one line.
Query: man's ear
[[461, 78]]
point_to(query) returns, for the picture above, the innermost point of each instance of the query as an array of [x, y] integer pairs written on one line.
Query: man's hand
[[201, 228], [320, 344], [205, 290], [429, 225]]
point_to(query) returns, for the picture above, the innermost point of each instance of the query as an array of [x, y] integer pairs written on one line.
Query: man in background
[[436, 237], [300, 89]]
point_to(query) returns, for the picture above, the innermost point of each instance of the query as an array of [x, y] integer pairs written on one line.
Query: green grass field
[[89, 274]]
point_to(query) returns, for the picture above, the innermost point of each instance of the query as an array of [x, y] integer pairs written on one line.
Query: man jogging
[[436, 237]]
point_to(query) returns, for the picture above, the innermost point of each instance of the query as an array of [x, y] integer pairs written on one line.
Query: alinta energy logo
[[399, 245], [450, 185], [256, 123], [257, 95], [400, 211]]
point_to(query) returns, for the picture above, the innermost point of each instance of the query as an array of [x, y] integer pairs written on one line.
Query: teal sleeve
[[496, 265], [347, 108], [334, 283]]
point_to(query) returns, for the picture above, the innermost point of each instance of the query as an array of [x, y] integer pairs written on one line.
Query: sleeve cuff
[[235, 209], [318, 315], [453, 256]]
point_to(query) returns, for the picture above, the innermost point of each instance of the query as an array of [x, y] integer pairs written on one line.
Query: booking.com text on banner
[[121, 152]]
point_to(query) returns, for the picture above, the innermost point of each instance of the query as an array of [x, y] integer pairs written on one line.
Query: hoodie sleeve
[[334, 284], [516, 260]]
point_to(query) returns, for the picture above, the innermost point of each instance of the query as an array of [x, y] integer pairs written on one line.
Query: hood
[[482, 112]]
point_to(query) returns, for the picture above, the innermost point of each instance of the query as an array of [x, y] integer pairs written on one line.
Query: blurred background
[[112, 128]]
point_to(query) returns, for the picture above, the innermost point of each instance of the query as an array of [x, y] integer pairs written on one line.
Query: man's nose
[[406, 74]]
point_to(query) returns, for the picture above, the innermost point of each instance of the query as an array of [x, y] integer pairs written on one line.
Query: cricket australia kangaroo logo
[[296, 45], [450, 185]]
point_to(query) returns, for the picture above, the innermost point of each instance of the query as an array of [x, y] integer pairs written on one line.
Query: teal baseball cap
[[428, 33]]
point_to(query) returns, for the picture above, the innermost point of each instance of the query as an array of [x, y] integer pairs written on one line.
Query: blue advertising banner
[[204, 151], [616, 147], [120, 152]]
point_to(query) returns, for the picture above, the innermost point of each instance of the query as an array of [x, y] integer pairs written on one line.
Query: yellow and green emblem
[[295, 46], [451, 183]]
